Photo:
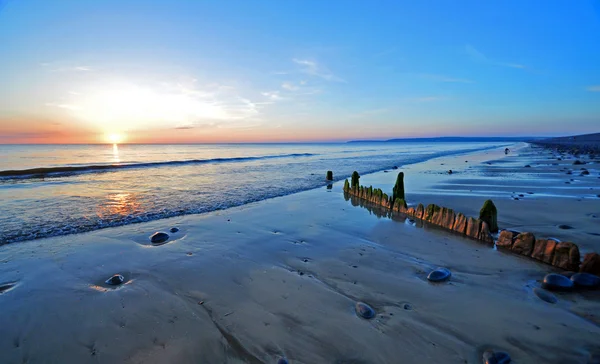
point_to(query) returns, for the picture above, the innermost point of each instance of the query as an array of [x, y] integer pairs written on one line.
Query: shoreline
[[70, 229], [280, 278]]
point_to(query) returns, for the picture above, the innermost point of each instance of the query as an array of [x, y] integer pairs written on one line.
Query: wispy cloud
[[134, 106], [64, 106], [314, 69], [595, 88], [184, 127], [289, 86], [272, 95], [480, 57], [442, 78], [57, 68]]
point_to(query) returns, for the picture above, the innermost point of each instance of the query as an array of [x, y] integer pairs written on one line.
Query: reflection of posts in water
[[329, 186], [376, 210]]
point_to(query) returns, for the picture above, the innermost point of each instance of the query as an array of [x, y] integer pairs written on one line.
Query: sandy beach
[[280, 278]]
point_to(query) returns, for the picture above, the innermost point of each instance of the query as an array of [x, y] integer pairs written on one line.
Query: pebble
[[283, 361], [159, 237], [545, 295], [565, 227], [115, 280], [495, 357], [586, 280], [174, 230], [439, 275], [365, 311], [557, 282]]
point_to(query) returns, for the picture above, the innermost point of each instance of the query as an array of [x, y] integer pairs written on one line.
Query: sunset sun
[[115, 138]]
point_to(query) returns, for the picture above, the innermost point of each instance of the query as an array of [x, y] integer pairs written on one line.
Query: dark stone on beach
[[569, 172], [495, 357], [591, 264], [365, 311], [557, 282], [159, 238], [439, 275], [449, 171], [282, 361], [115, 280], [521, 195], [585, 280], [395, 167], [174, 230], [516, 198], [578, 162], [565, 227], [545, 295], [527, 166], [585, 173], [566, 256]]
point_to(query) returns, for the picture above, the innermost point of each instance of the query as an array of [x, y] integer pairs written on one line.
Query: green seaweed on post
[[430, 211], [330, 175], [489, 214], [398, 191], [355, 179], [400, 203]]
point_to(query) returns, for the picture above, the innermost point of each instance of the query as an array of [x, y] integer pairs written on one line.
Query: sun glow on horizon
[[115, 138]]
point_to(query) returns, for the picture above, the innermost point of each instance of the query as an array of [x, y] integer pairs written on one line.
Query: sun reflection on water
[[121, 204], [116, 158]]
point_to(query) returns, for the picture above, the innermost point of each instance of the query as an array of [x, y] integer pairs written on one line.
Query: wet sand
[[281, 278], [535, 199]]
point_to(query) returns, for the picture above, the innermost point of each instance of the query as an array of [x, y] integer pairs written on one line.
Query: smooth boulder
[[439, 275], [159, 238], [174, 230], [545, 295], [495, 357], [557, 282], [365, 311], [585, 280]]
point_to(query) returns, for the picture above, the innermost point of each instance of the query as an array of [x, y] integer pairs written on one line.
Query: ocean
[[52, 190]]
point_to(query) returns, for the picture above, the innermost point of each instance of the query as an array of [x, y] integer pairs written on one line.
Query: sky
[[141, 71]]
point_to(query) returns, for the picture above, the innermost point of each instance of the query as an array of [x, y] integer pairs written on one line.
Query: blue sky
[[187, 71]]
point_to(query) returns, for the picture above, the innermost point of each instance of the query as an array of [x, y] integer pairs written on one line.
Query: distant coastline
[[451, 140]]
